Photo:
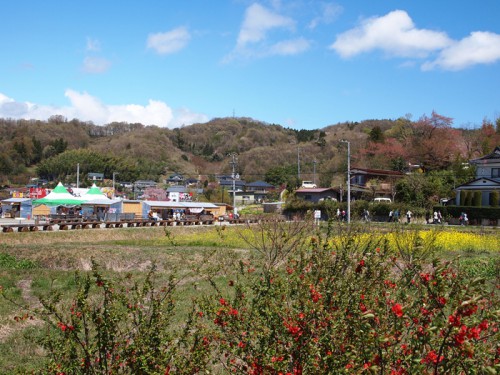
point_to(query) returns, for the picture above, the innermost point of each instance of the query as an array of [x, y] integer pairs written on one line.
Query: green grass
[[10, 262]]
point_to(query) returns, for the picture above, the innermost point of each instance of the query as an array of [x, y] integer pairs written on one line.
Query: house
[[259, 190], [316, 195], [95, 176], [374, 182], [259, 186], [191, 182], [487, 178], [175, 179], [239, 185], [142, 184], [244, 197]]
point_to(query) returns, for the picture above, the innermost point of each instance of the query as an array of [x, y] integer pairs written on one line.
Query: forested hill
[[52, 148]]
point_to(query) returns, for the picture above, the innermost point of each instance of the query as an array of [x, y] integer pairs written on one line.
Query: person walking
[[408, 216], [396, 216]]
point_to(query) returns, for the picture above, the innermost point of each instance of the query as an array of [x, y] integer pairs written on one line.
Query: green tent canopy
[[94, 193], [58, 197]]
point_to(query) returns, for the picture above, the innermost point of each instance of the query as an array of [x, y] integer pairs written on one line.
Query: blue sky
[[299, 63]]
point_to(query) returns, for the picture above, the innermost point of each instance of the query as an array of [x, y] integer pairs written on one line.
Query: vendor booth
[[95, 204], [177, 210], [58, 202], [17, 207], [102, 209]]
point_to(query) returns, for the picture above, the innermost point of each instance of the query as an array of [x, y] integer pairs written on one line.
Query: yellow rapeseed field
[[449, 241]]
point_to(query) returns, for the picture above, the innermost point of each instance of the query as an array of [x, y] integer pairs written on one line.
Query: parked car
[[382, 200], [308, 185]]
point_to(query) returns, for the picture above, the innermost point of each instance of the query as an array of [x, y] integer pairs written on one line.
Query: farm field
[[210, 267]]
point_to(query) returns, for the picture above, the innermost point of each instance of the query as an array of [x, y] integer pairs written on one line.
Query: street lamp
[[233, 164], [114, 174], [348, 179]]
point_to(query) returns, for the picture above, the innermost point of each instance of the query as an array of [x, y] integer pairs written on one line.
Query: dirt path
[[17, 323]]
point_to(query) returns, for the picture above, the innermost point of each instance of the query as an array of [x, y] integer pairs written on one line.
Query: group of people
[[341, 215], [153, 215], [437, 217], [394, 216], [434, 218], [463, 219]]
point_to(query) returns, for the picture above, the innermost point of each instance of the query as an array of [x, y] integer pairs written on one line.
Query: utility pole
[[233, 163], [78, 175], [114, 174], [298, 163], [348, 179], [314, 171]]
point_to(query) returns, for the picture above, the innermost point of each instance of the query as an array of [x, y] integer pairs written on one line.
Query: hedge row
[[471, 211], [381, 210]]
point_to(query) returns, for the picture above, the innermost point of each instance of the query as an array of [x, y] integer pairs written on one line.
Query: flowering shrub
[[349, 306], [306, 302], [119, 327]]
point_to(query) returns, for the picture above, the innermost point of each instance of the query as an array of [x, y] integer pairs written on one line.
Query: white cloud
[[479, 48], [258, 21], [395, 33], [5, 99], [95, 65], [183, 116], [86, 107], [254, 40], [170, 41], [329, 12], [290, 47]]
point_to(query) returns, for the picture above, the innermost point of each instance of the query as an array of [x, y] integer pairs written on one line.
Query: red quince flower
[[397, 309]]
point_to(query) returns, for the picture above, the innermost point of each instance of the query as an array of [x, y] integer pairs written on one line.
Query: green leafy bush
[[10, 262]]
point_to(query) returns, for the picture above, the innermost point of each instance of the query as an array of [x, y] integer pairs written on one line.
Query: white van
[[382, 200], [308, 185]]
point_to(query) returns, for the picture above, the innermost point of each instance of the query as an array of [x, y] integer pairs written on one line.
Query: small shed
[[41, 210], [132, 207]]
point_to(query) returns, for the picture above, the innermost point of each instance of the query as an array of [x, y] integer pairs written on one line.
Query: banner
[[37, 193]]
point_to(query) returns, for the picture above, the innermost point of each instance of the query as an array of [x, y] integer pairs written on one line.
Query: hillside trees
[[430, 142], [64, 166], [388, 154], [488, 137], [283, 175], [433, 143]]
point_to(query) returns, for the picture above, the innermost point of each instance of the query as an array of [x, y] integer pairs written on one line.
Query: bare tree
[[275, 239]]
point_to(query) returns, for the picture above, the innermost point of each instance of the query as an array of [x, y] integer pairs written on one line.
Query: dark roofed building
[[175, 179], [259, 186], [317, 194], [377, 182], [228, 184]]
